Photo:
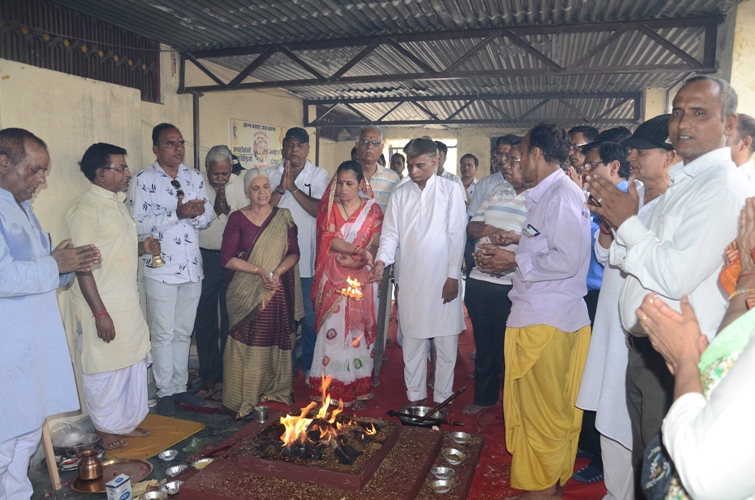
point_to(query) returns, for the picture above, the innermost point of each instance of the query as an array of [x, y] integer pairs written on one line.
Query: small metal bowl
[[421, 411], [153, 495], [175, 470], [443, 472], [202, 463], [88, 442], [460, 437], [454, 456], [171, 488], [168, 455], [442, 485]]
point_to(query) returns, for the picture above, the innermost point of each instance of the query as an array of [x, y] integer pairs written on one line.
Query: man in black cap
[[678, 252], [299, 185], [602, 391]]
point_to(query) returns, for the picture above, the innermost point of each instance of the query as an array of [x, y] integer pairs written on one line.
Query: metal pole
[[195, 98], [317, 145]]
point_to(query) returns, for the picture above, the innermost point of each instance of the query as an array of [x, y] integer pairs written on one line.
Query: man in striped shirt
[[381, 181], [496, 226]]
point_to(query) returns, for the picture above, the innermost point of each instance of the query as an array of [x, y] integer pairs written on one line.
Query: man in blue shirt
[[38, 377]]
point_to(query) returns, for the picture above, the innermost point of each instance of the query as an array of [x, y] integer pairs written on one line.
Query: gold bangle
[[740, 291]]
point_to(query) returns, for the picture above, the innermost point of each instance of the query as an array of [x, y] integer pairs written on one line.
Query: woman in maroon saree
[[348, 233], [263, 300]]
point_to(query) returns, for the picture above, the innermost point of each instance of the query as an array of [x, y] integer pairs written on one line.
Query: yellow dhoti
[[543, 371]]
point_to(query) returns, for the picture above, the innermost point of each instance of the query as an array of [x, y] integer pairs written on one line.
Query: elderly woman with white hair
[[264, 299]]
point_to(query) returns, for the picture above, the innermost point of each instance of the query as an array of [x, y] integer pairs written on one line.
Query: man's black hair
[[552, 140], [510, 139], [159, 130], [612, 151], [442, 147], [588, 132], [98, 156], [12, 143]]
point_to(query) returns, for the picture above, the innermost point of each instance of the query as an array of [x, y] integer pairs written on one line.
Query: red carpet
[[491, 479]]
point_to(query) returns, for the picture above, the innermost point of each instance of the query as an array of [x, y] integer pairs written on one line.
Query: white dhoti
[[14, 465], [117, 401], [415, 367], [617, 469]]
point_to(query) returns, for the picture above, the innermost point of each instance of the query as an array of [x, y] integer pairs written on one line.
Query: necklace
[[348, 215]]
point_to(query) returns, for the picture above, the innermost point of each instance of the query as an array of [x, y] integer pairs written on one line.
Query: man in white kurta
[[113, 335], [426, 219], [36, 366]]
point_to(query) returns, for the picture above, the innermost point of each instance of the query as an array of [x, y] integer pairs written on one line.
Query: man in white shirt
[[169, 201], [742, 144], [442, 154], [398, 164], [486, 184], [468, 168], [680, 251], [298, 186], [426, 217], [225, 192]]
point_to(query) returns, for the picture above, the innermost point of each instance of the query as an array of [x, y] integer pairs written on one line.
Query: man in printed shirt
[[113, 335], [680, 252], [548, 330], [37, 373], [169, 201], [226, 193]]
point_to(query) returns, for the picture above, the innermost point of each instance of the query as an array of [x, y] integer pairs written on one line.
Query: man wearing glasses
[[168, 200], [113, 336], [380, 182]]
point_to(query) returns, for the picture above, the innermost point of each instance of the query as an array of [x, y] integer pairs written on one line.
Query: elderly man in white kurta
[[426, 219], [113, 337], [37, 373]]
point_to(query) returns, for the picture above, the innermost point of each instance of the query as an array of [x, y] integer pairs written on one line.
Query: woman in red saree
[[348, 233]]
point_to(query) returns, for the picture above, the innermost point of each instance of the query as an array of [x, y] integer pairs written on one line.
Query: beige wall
[[743, 57], [70, 113]]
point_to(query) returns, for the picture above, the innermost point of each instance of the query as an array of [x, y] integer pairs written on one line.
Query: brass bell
[[157, 261]]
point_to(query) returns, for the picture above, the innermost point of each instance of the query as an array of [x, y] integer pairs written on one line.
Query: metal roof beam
[[518, 123], [464, 97], [653, 24]]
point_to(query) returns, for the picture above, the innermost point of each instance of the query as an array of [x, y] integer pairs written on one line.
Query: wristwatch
[[279, 191]]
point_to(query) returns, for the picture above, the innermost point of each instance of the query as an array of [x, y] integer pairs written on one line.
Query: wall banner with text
[[256, 145]]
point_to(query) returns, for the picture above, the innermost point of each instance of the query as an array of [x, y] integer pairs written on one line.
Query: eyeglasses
[[119, 169], [177, 185], [589, 165], [175, 144], [367, 142], [513, 161], [575, 147]]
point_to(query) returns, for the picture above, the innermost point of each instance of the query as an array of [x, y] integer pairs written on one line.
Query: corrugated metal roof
[[199, 24], [189, 25]]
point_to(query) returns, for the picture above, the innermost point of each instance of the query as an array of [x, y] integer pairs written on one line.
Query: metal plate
[[135, 468]]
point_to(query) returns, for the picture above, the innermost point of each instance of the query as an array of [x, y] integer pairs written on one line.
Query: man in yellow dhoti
[[548, 332]]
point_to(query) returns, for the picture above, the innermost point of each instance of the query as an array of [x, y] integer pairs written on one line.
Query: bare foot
[[208, 384], [419, 402], [137, 433], [111, 441], [359, 405], [552, 493], [472, 408]]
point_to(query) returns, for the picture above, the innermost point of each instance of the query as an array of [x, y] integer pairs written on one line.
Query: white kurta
[[603, 382], [429, 226]]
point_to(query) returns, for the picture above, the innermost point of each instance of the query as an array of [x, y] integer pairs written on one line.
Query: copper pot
[[90, 466]]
